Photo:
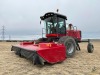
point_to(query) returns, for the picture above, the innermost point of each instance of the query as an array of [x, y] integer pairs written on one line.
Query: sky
[[22, 17]]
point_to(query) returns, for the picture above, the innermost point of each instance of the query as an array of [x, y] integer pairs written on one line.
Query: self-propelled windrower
[[60, 41]]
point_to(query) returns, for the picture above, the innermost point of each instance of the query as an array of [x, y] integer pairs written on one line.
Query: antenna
[[58, 6], [57, 10], [3, 32]]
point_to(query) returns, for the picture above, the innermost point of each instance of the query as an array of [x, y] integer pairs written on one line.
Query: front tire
[[70, 45]]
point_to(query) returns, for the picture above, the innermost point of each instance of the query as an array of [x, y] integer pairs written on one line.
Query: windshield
[[55, 25], [61, 26]]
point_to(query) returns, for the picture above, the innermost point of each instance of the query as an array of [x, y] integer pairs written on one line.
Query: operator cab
[[55, 24]]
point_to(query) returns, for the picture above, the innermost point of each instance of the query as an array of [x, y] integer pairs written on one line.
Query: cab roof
[[50, 14]]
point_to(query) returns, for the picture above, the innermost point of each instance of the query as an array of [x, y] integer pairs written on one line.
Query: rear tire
[[90, 48], [70, 45]]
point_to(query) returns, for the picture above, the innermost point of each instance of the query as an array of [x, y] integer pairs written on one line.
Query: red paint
[[54, 53], [55, 35], [75, 34], [26, 43], [50, 52]]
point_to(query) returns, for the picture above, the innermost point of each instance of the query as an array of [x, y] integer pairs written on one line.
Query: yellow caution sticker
[[49, 44]]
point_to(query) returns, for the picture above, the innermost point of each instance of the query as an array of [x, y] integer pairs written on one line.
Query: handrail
[[43, 32]]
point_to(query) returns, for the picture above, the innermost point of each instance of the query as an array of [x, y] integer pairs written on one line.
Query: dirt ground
[[83, 63]]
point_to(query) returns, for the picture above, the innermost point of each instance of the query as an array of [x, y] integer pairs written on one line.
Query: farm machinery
[[59, 42]]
